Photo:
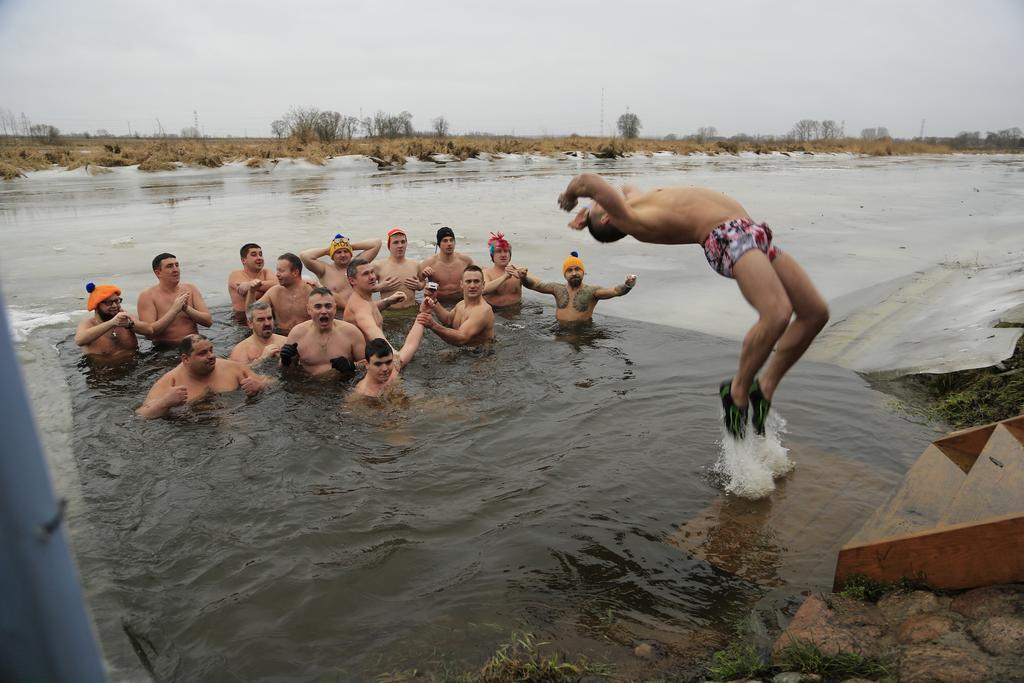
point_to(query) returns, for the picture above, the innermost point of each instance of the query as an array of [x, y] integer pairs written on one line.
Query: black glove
[[289, 352], [342, 364]]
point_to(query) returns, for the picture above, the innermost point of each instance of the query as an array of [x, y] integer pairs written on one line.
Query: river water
[[570, 483]]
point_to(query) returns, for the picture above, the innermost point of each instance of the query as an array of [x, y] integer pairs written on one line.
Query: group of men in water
[[337, 325]]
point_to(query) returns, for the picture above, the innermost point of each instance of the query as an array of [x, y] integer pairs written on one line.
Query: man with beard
[[397, 273], [262, 343], [334, 275], [446, 267], [198, 375], [736, 247], [249, 283], [383, 365], [155, 302], [502, 284], [288, 298], [323, 343], [110, 331], [575, 301], [471, 322], [362, 311]]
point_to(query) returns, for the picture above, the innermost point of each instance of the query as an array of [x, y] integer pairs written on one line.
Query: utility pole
[[129, 129], [922, 129]]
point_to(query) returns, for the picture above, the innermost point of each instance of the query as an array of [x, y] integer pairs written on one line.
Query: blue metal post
[[45, 631]]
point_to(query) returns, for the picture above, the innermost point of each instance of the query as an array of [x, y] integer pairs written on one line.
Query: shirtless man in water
[[198, 375], [502, 287], [471, 322], [155, 301], [383, 365], [771, 281], [575, 301], [251, 282], [334, 275], [288, 298], [110, 331], [446, 267], [323, 343], [262, 343], [397, 273], [362, 311]]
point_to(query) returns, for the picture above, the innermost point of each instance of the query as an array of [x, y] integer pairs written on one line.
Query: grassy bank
[[974, 397], [97, 154]]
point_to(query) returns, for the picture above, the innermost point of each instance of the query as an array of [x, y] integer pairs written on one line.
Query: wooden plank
[[920, 501], [792, 536], [964, 446], [995, 485], [953, 557], [1016, 427]]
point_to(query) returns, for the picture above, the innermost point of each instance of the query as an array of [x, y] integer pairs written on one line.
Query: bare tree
[[302, 123], [440, 127], [879, 133], [706, 133], [328, 126], [629, 125], [102, 133], [348, 127], [44, 133], [279, 128], [806, 129], [830, 130]]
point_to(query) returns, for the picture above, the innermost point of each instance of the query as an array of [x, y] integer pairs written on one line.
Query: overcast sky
[[526, 66]]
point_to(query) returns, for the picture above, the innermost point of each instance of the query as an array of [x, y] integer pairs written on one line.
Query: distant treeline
[[306, 125]]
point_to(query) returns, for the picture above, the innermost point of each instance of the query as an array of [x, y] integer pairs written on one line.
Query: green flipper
[[759, 407], [735, 417]]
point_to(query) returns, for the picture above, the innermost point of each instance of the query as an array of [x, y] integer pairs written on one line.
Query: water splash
[[749, 467]]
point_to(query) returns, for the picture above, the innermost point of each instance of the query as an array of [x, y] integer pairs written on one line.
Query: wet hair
[[257, 306], [292, 259], [472, 267], [378, 347], [244, 251], [186, 344], [160, 257], [353, 267], [602, 232], [320, 291]]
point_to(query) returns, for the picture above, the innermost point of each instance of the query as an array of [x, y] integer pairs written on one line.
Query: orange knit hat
[[572, 260], [98, 293]]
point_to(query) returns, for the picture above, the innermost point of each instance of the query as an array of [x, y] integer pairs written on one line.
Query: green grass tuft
[[805, 657], [521, 660], [739, 660]]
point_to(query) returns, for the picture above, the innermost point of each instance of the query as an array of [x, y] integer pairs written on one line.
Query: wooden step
[[964, 446], [959, 556], [920, 501], [995, 484]]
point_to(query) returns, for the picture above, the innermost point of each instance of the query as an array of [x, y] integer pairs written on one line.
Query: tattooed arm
[[621, 290]]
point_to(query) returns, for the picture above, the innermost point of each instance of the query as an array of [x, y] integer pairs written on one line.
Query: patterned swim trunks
[[729, 241]]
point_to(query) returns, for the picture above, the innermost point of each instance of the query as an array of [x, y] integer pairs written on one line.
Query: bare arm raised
[[621, 290]]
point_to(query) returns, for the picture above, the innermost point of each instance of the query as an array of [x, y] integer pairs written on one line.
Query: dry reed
[[18, 157]]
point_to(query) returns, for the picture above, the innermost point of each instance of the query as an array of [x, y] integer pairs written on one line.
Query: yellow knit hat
[[337, 243], [573, 260]]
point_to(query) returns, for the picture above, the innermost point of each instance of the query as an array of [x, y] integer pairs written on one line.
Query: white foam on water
[[23, 322], [749, 467]]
